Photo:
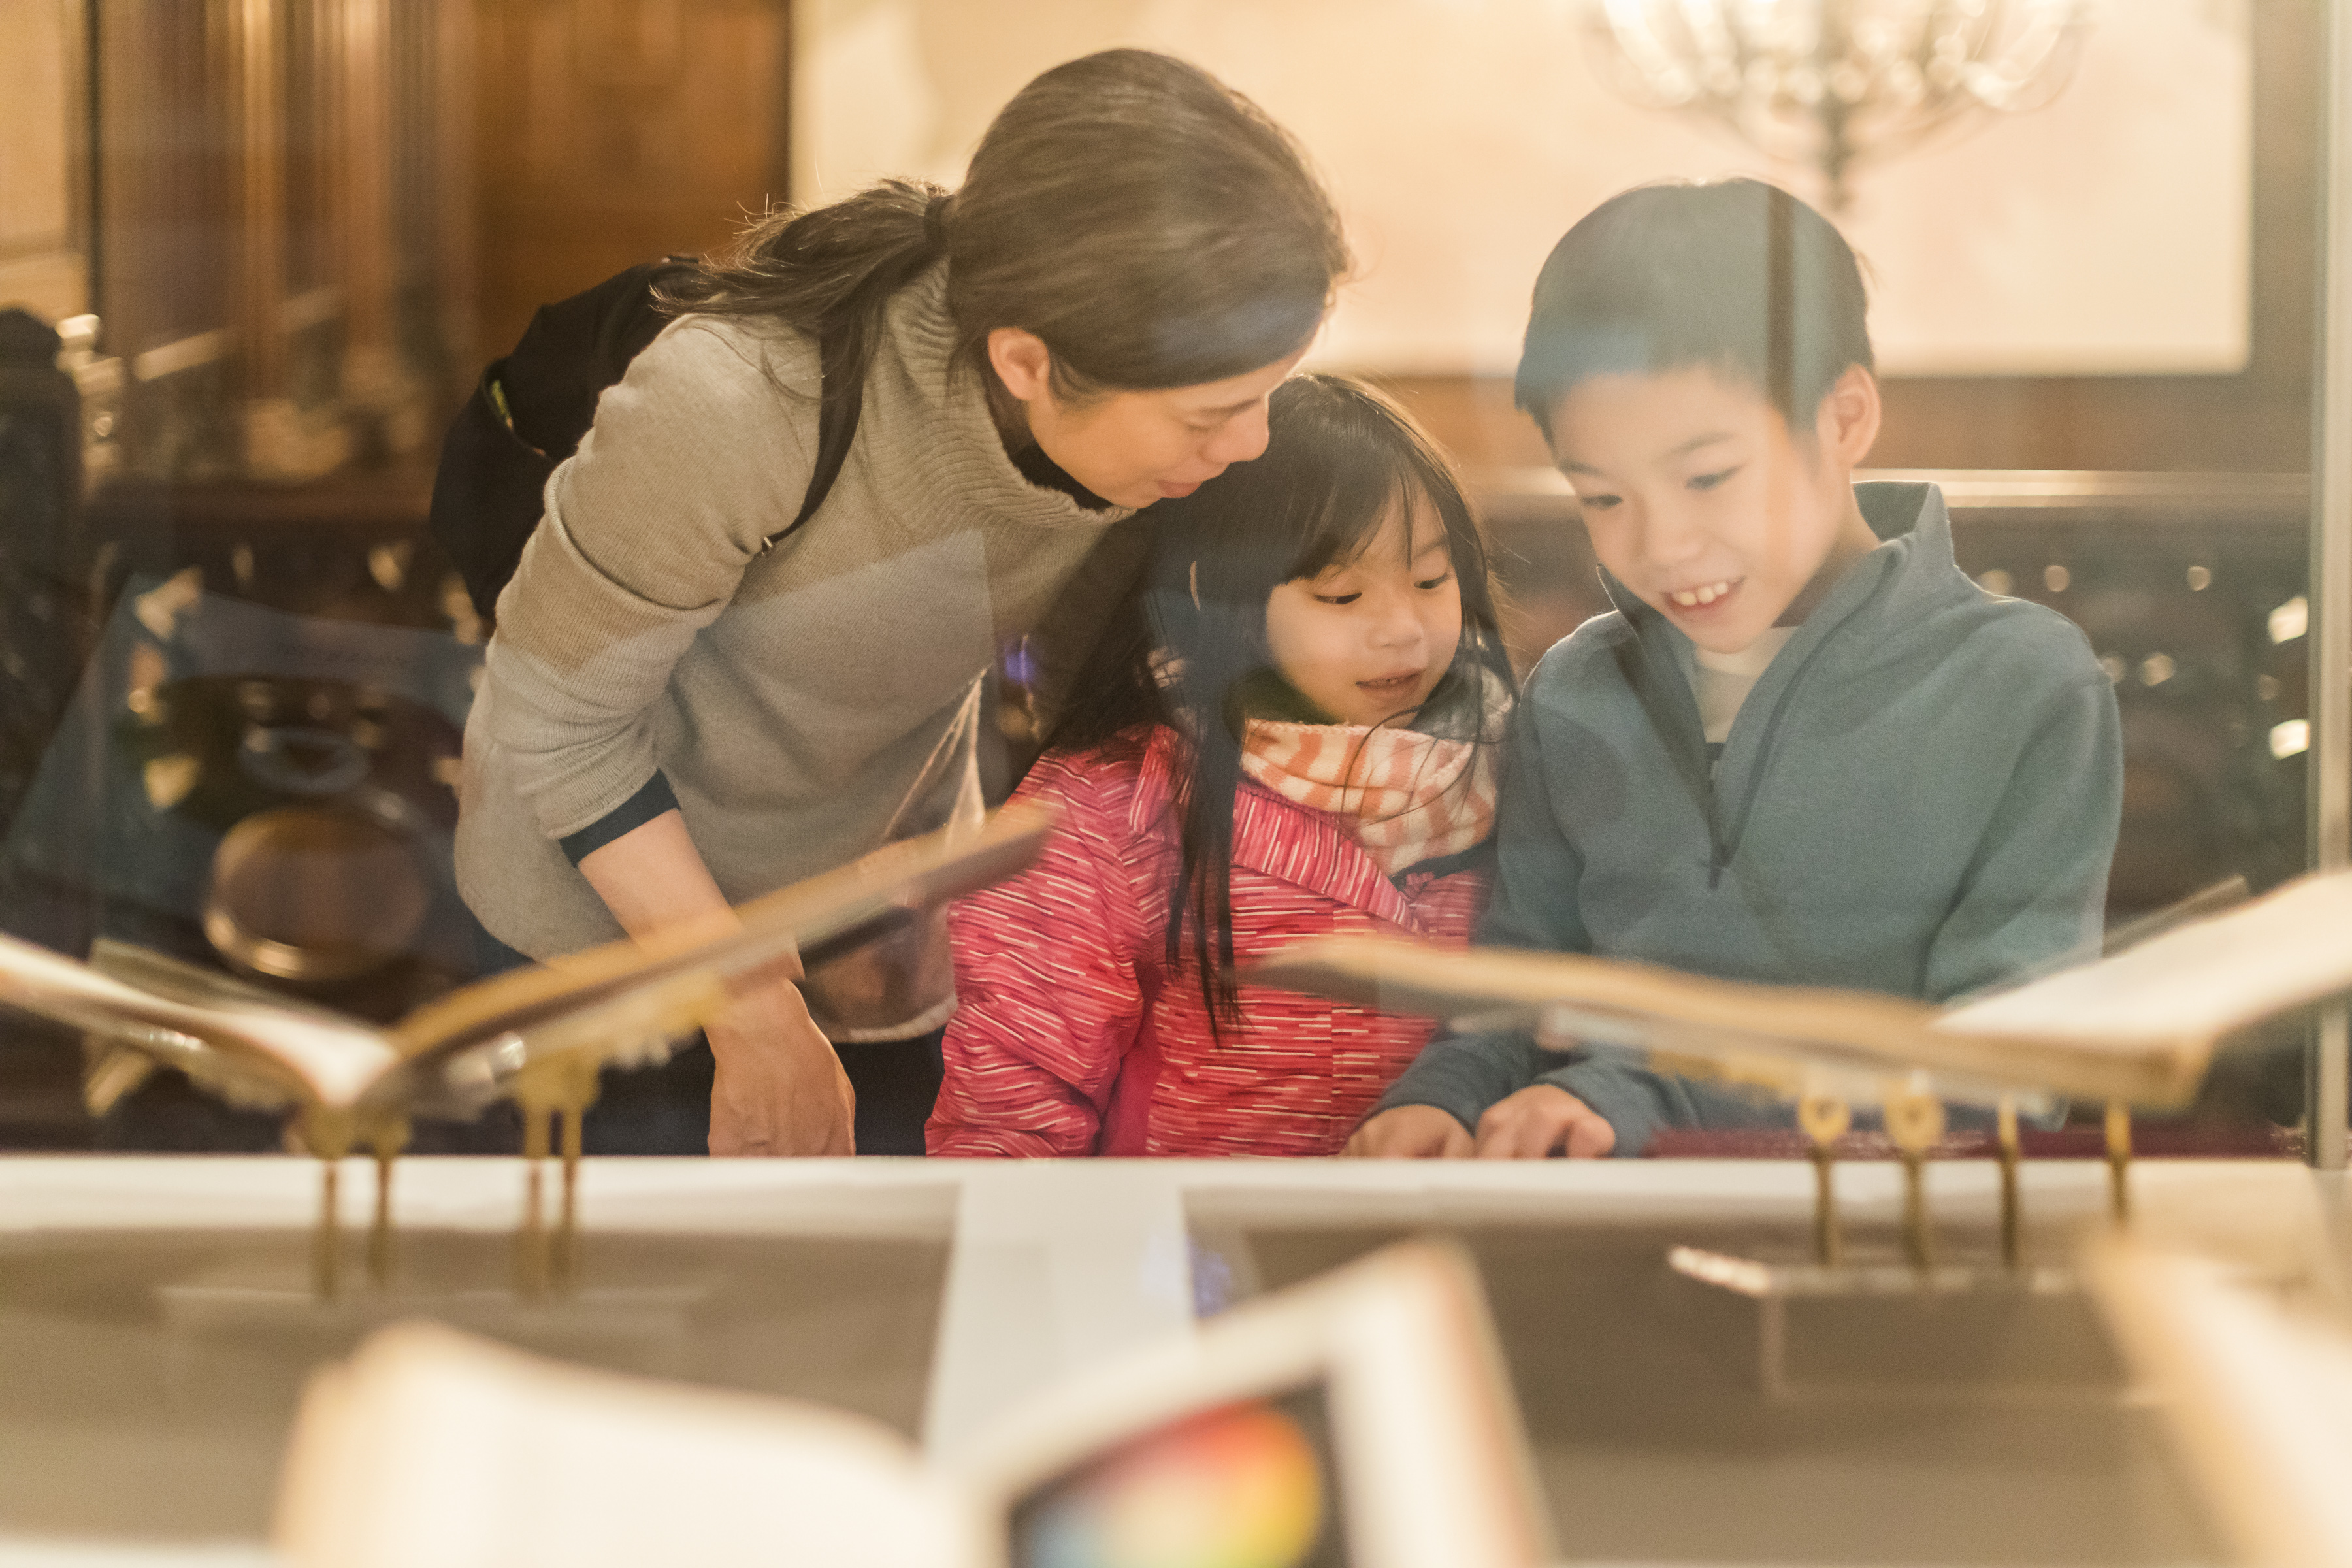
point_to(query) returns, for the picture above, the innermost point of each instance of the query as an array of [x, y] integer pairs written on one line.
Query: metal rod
[[1825, 1119], [2011, 1150], [567, 1230], [1826, 1241], [2331, 1053], [379, 1251], [387, 1138], [1918, 1245], [531, 1243], [1915, 1120], [2329, 760], [326, 1241], [2119, 1154]]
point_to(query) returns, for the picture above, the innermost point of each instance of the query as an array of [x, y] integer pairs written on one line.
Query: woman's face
[[1135, 447], [1369, 638]]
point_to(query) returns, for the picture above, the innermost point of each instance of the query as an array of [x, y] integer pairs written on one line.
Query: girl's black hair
[[1189, 648]]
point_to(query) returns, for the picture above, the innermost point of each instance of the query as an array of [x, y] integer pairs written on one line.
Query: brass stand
[[2011, 1227], [328, 1135], [1916, 1121], [531, 1243], [326, 1240], [567, 1233], [559, 1090], [1825, 1120], [388, 1142], [379, 1247], [2119, 1153]]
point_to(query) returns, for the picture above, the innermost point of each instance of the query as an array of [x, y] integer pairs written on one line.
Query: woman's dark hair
[[1734, 275], [1189, 650], [1146, 222]]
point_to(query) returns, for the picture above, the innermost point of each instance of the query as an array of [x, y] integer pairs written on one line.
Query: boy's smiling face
[[1700, 499]]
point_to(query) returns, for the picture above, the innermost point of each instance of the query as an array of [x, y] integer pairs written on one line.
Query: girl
[[1293, 732], [677, 716]]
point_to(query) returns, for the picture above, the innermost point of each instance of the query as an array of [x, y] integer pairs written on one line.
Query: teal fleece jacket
[[1919, 796]]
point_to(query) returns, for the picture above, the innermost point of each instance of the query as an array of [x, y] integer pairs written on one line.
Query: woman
[[676, 717]]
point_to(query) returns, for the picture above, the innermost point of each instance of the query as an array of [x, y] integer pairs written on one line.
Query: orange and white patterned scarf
[[1412, 796]]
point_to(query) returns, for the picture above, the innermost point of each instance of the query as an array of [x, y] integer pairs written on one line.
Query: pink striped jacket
[[1073, 1036]]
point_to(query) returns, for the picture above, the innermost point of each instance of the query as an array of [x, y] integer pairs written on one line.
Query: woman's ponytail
[[828, 269], [1151, 225]]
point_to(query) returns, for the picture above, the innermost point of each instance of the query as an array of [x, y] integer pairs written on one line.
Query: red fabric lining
[[2159, 1141]]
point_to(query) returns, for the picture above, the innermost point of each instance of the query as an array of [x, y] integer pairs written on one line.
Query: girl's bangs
[[1354, 501]]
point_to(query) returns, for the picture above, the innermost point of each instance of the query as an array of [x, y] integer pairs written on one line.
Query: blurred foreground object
[[537, 1036], [1361, 1419], [2139, 1028], [2255, 1378]]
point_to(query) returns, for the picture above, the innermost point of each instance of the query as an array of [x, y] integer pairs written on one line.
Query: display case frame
[[2330, 757]]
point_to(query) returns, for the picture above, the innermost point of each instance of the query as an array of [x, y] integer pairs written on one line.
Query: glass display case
[[273, 245]]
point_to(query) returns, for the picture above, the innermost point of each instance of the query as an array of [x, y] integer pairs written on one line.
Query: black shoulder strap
[[841, 395]]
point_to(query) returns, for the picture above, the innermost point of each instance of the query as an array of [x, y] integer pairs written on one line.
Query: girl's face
[[1135, 447], [1369, 638]]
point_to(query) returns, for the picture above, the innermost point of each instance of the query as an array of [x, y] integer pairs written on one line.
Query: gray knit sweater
[[792, 698]]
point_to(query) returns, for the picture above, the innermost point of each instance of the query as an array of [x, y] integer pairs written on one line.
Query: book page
[[619, 1001], [304, 1053], [1360, 1419], [432, 1446], [1750, 1031], [2285, 949], [838, 904]]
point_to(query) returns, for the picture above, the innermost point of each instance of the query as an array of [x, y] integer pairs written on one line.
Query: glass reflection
[[275, 269]]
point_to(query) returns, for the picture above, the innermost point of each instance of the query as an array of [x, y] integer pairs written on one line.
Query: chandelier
[[1832, 83]]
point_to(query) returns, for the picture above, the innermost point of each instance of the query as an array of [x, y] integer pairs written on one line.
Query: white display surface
[[1054, 1265]]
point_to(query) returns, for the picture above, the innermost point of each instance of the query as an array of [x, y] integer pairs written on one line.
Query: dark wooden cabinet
[[612, 131], [281, 249]]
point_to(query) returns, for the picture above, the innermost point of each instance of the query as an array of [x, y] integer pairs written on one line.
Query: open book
[[1360, 1420], [2140, 1026], [621, 1002], [2257, 1391]]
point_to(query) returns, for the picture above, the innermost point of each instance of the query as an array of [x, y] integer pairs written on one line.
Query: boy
[[1806, 749]]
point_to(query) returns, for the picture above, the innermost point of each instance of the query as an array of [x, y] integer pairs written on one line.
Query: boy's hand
[[1409, 1132], [1539, 1123]]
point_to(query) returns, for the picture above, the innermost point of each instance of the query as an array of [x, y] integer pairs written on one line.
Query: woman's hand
[[780, 1089], [1409, 1132], [1540, 1122]]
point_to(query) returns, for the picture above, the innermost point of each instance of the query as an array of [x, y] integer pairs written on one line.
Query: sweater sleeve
[[696, 456], [1537, 869], [1636, 1102], [1049, 999], [1534, 906], [2036, 889], [1462, 1075]]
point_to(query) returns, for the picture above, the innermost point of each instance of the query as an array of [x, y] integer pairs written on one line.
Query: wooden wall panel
[[43, 221], [611, 132], [277, 256]]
